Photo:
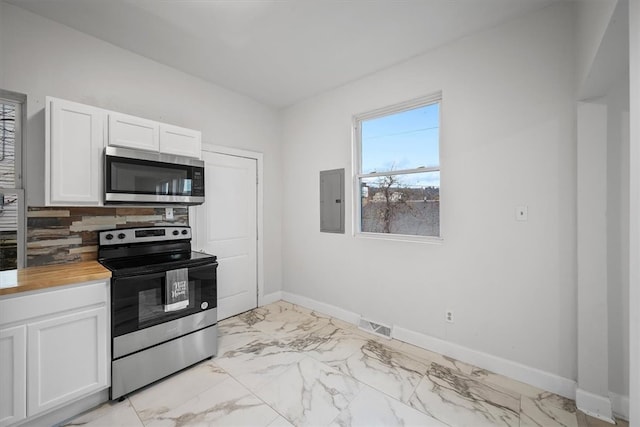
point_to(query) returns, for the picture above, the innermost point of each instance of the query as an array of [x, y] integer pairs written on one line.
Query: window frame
[[20, 100], [358, 175]]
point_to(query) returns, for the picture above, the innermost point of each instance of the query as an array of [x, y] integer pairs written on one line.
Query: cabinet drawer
[[20, 308]]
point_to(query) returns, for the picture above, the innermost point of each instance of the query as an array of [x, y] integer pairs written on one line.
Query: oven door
[[140, 301]]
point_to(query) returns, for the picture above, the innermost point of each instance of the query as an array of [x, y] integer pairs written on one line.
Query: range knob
[[109, 236], [121, 236], [176, 232], [184, 231]]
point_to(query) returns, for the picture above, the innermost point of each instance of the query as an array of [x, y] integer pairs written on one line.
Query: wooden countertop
[[38, 278]]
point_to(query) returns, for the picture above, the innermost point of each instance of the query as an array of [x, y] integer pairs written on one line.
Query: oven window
[[151, 305]]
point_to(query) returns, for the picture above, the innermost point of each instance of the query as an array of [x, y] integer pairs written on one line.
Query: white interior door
[[226, 226]]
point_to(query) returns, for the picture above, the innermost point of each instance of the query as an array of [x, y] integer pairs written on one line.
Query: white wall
[[617, 101], [634, 211], [593, 346], [41, 58], [508, 139], [603, 33], [603, 251], [592, 19]]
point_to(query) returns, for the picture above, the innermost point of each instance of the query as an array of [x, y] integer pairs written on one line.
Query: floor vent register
[[375, 328]]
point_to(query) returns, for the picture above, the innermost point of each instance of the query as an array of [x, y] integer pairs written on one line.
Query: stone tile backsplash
[[68, 234]]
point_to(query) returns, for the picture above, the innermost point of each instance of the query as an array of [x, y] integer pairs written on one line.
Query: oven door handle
[[192, 268], [140, 279]]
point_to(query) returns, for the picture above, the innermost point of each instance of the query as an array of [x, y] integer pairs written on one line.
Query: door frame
[[258, 157]]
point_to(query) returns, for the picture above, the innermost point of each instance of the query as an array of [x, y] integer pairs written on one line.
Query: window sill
[[401, 238]]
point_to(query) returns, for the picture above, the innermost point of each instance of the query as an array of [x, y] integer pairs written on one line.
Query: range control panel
[[125, 236]]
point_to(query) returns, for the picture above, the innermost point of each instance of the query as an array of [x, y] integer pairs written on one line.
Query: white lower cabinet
[[13, 374], [67, 358], [54, 349]]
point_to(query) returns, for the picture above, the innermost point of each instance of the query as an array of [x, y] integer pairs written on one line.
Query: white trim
[[399, 107], [212, 148], [66, 413], [527, 374], [634, 211], [356, 195], [594, 405], [517, 371], [259, 158], [620, 405], [321, 307], [421, 169], [433, 240], [271, 298]]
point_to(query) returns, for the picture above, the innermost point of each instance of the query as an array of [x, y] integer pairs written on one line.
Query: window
[[397, 164], [11, 193]]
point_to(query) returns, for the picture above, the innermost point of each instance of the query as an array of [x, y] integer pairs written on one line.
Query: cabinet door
[[133, 132], [67, 358], [13, 375], [180, 141], [73, 153]]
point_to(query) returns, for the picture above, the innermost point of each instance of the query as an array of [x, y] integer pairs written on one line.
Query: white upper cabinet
[[74, 137], [133, 132], [180, 141]]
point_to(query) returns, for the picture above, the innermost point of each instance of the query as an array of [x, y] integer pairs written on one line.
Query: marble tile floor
[[284, 365]]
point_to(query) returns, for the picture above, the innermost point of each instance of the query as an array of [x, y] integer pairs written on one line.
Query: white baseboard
[[620, 405], [520, 372], [536, 377], [270, 298], [321, 307], [594, 405], [62, 415]]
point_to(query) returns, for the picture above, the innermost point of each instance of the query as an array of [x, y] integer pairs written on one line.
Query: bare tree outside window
[[388, 202], [394, 207]]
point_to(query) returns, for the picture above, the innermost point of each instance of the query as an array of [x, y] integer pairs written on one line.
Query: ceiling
[[280, 52]]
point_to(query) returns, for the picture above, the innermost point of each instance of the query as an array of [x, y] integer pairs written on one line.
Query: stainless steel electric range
[[163, 304]]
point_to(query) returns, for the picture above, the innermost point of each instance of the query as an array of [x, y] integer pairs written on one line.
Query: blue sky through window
[[404, 140]]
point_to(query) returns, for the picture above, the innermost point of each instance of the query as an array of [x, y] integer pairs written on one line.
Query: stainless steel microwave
[[141, 177]]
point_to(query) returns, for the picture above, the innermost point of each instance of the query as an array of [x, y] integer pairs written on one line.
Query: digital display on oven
[[149, 233]]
